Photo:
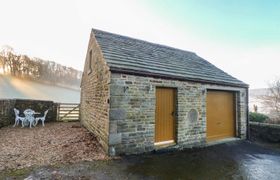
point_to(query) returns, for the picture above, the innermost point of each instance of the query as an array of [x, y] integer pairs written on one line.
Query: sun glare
[[1, 70], [27, 88]]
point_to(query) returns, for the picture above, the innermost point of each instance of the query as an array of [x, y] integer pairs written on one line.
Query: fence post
[[57, 113]]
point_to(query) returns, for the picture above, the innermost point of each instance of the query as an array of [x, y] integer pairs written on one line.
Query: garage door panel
[[220, 115]]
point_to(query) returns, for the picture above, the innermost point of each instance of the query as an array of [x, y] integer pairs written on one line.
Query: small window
[[89, 63]]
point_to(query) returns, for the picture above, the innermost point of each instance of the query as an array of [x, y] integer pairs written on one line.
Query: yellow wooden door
[[220, 115], [165, 115]]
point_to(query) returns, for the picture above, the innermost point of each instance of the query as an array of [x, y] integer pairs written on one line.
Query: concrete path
[[233, 160]]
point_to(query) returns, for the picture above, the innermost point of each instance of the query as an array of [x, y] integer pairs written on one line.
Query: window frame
[[90, 62]]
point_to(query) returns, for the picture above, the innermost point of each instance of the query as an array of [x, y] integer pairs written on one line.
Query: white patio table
[[29, 117]]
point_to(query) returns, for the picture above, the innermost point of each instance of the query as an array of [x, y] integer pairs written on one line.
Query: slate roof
[[129, 55]]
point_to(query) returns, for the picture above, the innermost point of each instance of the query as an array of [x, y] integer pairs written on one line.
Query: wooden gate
[[68, 112]]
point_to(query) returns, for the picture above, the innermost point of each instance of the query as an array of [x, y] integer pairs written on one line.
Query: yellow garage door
[[165, 121], [220, 115]]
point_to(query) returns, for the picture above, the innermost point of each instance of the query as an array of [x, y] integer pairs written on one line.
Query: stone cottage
[[138, 96]]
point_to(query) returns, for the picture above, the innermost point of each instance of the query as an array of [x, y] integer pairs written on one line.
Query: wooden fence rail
[[68, 112]]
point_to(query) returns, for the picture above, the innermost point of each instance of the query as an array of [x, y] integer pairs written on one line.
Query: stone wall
[[265, 132], [94, 109], [132, 112], [6, 112], [7, 115]]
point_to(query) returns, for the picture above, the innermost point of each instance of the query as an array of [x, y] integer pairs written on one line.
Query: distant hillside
[[37, 69], [258, 92], [12, 87]]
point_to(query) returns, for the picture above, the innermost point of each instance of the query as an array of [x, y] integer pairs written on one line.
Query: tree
[[2, 64], [255, 108], [7, 54], [271, 100], [37, 69]]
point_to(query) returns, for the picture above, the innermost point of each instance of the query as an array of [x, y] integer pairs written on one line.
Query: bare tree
[[271, 100], [37, 69], [7, 54], [2, 63], [255, 108]]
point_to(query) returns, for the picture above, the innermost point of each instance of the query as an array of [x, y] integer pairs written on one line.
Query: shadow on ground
[[234, 160]]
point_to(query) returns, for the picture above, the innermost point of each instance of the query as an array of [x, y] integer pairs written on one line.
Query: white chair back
[[45, 114], [16, 112]]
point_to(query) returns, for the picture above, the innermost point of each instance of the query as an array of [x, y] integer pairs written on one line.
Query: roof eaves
[[172, 77]]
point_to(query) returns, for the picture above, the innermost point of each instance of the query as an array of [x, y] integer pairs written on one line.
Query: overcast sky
[[241, 37]]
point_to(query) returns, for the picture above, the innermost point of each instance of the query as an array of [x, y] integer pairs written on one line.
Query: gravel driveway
[[55, 143]]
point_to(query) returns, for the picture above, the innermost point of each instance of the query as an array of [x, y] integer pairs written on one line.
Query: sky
[[240, 37]]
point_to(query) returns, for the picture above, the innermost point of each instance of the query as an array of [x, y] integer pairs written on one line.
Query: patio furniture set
[[29, 118]]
